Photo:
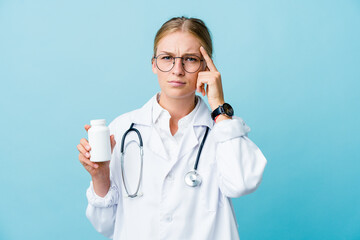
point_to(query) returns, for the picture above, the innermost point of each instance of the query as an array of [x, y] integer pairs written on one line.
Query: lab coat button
[[168, 218]]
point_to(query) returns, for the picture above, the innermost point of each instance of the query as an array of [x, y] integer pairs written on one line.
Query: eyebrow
[[186, 54]]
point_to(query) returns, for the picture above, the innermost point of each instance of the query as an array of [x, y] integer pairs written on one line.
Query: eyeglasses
[[166, 62]]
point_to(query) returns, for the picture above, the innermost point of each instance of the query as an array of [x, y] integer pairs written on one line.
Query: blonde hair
[[194, 26]]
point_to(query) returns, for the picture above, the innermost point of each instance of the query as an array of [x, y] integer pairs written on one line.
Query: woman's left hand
[[212, 78]]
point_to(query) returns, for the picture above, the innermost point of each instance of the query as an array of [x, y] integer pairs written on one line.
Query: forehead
[[179, 42]]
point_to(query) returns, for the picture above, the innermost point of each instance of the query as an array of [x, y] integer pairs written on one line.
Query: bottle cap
[[98, 122]]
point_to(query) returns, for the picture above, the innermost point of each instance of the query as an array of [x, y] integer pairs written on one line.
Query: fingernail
[[87, 155], [87, 147], [96, 166]]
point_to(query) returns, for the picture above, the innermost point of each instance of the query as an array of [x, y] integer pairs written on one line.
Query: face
[[177, 83]]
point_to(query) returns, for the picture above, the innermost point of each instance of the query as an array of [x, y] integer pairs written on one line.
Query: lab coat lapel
[[189, 141], [156, 145], [193, 135], [143, 116]]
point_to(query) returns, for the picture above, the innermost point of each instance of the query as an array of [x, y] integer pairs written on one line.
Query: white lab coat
[[231, 165]]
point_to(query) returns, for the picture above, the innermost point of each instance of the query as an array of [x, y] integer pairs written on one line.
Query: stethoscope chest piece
[[193, 179]]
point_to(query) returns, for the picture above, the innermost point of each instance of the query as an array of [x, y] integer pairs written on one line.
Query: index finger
[[87, 127], [208, 60]]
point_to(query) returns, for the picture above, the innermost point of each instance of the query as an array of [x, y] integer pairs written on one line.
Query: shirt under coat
[[231, 165]]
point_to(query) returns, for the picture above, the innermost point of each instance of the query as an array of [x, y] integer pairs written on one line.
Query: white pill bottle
[[99, 140]]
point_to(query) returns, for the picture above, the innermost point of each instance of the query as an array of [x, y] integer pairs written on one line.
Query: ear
[[153, 65]]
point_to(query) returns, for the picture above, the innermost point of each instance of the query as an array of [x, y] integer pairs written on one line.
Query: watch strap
[[217, 112]]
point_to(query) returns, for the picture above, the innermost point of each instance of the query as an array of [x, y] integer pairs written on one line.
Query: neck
[[177, 107]]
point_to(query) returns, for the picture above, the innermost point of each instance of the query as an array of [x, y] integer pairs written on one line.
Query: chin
[[178, 93]]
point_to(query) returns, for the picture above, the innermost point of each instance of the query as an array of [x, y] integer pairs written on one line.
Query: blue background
[[289, 68]]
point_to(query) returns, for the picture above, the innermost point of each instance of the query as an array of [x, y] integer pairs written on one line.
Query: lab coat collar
[[143, 116], [159, 113], [203, 115], [158, 110]]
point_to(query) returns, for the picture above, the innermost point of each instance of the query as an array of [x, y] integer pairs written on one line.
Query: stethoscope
[[192, 178]]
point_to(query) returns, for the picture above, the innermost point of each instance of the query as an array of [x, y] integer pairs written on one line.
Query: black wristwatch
[[223, 109]]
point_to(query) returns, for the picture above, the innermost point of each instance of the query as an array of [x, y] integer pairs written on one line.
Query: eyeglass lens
[[166, 62]]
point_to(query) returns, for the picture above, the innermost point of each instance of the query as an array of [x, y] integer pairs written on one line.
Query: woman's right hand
[[99, 171]]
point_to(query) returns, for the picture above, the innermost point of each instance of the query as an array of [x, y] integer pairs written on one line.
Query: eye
[[166, 57], [191, 59]]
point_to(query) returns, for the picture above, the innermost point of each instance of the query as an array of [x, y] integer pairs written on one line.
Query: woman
[[173, 125]]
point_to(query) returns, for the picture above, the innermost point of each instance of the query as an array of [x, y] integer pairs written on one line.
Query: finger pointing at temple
[[208, 60]]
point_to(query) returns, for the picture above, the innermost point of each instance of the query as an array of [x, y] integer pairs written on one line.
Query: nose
[[178, 68]]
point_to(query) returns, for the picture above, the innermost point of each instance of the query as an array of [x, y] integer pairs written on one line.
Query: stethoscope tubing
[[122, 160], [200, 149], [126, 133], [192, 174]]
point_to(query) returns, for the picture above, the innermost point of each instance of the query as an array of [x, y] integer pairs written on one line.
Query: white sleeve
[[101, 211], [239, 161]]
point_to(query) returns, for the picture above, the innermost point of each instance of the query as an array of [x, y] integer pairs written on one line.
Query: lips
[[176, 83]]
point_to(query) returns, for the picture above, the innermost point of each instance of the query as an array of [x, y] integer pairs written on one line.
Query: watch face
[[228, 109]]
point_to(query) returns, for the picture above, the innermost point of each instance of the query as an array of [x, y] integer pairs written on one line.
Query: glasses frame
[[182, 62]]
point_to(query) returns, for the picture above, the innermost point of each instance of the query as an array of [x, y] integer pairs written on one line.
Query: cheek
[[162, 77], [193, 80]]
